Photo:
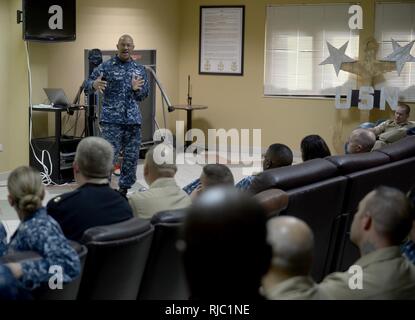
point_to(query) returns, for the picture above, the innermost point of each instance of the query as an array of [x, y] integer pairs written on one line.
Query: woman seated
[[313, 147], [37, 232]]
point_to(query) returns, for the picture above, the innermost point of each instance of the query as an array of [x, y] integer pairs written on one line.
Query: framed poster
[[221, 41]]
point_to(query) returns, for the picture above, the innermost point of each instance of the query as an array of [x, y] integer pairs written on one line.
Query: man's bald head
[[292, 243], [361, 140], [125, 37]]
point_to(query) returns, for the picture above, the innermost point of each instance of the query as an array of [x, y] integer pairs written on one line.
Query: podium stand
[[61, 148], [189, 109]]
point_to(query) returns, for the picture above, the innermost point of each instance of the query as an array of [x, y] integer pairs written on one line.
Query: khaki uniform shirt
[[389, 131], [296, 288], [386, 275], [163, 194]]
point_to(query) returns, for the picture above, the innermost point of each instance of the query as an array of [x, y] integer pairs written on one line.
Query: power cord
[[46, 174]]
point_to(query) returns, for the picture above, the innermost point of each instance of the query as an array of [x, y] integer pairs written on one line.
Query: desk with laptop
[[61, 148], [58, 100]]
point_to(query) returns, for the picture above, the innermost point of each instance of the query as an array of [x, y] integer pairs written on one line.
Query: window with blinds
[[295, 45], [396, 21]]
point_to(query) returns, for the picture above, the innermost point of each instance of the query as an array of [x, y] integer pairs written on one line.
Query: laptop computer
[[57, 97]]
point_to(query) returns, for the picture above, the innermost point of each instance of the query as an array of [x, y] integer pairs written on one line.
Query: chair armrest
[[273, 200]]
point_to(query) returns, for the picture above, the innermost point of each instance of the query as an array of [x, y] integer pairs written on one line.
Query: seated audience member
[[391, 131], [292, 243], [93, 203], [277, 155], [163, 193], [382, 222], [314, 147], [360, 140], [409, 246], [225, 252], [212, 175], [37, 232], [10, 289]]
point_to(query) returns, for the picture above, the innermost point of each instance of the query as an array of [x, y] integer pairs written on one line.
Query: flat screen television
[[49, 20]]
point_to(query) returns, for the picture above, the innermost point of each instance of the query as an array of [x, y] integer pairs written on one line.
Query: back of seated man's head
[[277, 155], [292, 243], [160, 162], [94, 158], [361, 140], [225, 249], [383, 219], [215, 175]]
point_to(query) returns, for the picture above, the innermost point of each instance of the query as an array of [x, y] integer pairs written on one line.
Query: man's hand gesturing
[[137, 83], [100, 84]]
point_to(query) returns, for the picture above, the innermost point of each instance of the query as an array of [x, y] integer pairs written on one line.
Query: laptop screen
[[57, 97]]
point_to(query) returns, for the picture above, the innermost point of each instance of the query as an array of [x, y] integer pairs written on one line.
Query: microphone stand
[[189, 96], [165, 98], [170, 108]]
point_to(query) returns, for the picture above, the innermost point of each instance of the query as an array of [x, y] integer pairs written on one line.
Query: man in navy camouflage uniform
[[124, 84]]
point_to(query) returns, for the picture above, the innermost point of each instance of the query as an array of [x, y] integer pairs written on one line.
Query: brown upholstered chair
[[117, 255], [164, 277]]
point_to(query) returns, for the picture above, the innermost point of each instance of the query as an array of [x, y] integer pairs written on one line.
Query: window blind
[[296, 37]]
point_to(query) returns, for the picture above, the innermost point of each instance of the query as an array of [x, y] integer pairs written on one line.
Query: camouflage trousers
[[128, 139]]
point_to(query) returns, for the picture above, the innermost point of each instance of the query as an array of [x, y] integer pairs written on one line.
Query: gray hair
[[94, 157], [161, 158], [364, 138], [25, 186], [292, 243]]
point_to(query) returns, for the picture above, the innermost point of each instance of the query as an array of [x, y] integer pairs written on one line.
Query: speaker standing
[[124, 84]]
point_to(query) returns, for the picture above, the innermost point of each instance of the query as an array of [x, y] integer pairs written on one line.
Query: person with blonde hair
[[37, 232]]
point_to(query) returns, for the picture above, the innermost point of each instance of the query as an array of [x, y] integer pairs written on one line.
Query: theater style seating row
[[325, 193], [134, 259], [138, 259]]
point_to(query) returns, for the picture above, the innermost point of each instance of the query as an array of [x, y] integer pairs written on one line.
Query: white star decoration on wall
[[400, 55], [337, 57]]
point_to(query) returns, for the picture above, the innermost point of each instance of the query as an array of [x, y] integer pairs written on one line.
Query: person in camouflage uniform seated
[[37, 232]]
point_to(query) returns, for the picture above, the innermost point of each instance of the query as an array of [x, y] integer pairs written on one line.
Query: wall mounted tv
[[49, 20]]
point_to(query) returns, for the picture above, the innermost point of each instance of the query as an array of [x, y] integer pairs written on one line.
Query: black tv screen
[[49, 20]]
